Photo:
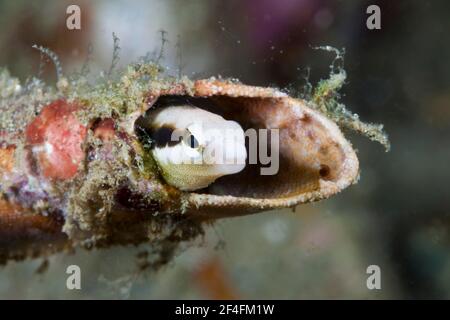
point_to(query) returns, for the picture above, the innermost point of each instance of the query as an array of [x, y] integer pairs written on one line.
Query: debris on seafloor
[[77, 167]]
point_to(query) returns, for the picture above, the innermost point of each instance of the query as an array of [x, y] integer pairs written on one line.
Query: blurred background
[[396, 217]]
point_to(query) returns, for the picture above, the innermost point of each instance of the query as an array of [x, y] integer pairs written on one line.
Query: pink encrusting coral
[[56, 138]]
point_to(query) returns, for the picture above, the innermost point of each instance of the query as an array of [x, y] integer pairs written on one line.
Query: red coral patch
[[56, 137]]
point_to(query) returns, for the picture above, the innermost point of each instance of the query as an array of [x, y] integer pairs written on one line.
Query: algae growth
[[99, 207], [325, 97]]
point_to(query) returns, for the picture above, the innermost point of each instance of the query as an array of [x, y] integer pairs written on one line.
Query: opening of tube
[[298, 151]]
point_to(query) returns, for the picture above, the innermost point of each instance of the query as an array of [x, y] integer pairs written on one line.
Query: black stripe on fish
[[162, 136]]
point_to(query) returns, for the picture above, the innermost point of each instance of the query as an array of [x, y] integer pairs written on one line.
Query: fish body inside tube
[[194, 147]]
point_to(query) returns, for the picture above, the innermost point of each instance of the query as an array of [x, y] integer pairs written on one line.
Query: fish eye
[[193, 141], [190, 140]]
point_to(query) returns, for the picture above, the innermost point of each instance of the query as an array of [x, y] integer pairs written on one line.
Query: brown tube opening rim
[[315, 159]]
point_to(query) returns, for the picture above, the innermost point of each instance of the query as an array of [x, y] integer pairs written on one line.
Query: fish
[[194, 147]]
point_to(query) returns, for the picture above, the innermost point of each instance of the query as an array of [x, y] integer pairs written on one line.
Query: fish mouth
[[308, 160]]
